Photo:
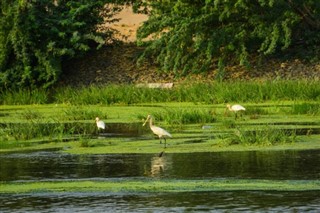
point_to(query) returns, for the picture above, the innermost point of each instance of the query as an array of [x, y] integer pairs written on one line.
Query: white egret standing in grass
[[100, 124], [162, 134], [235, 108]]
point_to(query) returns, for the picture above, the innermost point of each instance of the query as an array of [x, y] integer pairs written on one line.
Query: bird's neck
[[150, 122]]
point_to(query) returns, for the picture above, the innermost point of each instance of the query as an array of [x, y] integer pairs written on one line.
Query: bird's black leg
[[165, 143], [160, 140]]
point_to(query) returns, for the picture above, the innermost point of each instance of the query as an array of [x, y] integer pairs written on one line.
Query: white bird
[[100, 124], [235, 108], [162, 134]]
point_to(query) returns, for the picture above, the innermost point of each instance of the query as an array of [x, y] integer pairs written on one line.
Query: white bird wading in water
[[235, 108], [100, 124], [162, 134]]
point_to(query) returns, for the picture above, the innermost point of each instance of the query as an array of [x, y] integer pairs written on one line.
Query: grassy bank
[[204, 92]]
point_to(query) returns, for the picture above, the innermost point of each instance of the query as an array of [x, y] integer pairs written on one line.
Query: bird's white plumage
[[235, 108], [162, 133], [100, 124]]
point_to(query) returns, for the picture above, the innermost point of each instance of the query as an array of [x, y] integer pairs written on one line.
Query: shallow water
[[243, 201], [53, 165], [284, 165]]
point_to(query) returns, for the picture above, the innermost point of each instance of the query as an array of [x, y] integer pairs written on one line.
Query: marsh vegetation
[[277, 113], [51, 144]]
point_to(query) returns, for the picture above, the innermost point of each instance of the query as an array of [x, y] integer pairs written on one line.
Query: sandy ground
[[128, 24]]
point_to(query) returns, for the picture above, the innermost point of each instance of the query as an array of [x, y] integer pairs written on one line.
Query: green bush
[[188, 36], [37, 36]]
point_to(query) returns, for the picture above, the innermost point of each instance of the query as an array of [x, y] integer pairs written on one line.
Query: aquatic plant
[[156, 186], [82, 113], [268, 135], [185, 116], [305, 108], [30, 114], [36, 128]]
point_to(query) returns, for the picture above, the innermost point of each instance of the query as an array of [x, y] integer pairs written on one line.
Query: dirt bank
[[116, 64]]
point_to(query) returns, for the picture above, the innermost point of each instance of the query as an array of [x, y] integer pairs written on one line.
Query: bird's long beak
[[145, 121]]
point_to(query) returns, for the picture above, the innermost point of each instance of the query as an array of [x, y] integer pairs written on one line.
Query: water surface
[[53, 165], [281, 165], [243, 201]]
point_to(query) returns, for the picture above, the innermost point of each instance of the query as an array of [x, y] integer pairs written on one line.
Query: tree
[[36, 36], [194, 35]]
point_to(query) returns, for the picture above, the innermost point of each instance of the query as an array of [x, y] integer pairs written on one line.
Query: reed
[[36, 128], [213, 92], [269, 135], [30, 114], [82, 113], [185, 116], [210, 92], [24, 97], [305, 108]]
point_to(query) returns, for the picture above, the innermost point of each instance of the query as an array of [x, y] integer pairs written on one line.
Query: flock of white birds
[[162, 133]]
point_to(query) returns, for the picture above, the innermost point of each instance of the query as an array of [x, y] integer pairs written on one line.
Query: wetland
[[53, 157]]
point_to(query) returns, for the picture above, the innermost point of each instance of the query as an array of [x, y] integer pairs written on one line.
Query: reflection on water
[[245, 201], [159, 166], [260, 165]]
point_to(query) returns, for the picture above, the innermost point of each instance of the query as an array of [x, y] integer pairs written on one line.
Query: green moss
[[168, 185]]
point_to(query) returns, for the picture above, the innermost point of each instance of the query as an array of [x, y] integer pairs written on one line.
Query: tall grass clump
[[306, 108], [30, 114], [34, 129], [294, 90], [35, 125], [253, 91], [44, 129], [185, 116], [82, 113], [24, 97], [193, 92], [267, 136], [207, 92], [111, 94]]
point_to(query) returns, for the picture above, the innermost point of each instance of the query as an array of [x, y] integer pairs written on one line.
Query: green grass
[[24, 96], [82, 113], [65, 125], [213, 92], [154, 186], [268, 135], [306, 108]]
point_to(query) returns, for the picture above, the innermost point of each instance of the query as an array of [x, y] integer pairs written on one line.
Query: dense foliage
[[195, 35], [182, 36], [35, 37]]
